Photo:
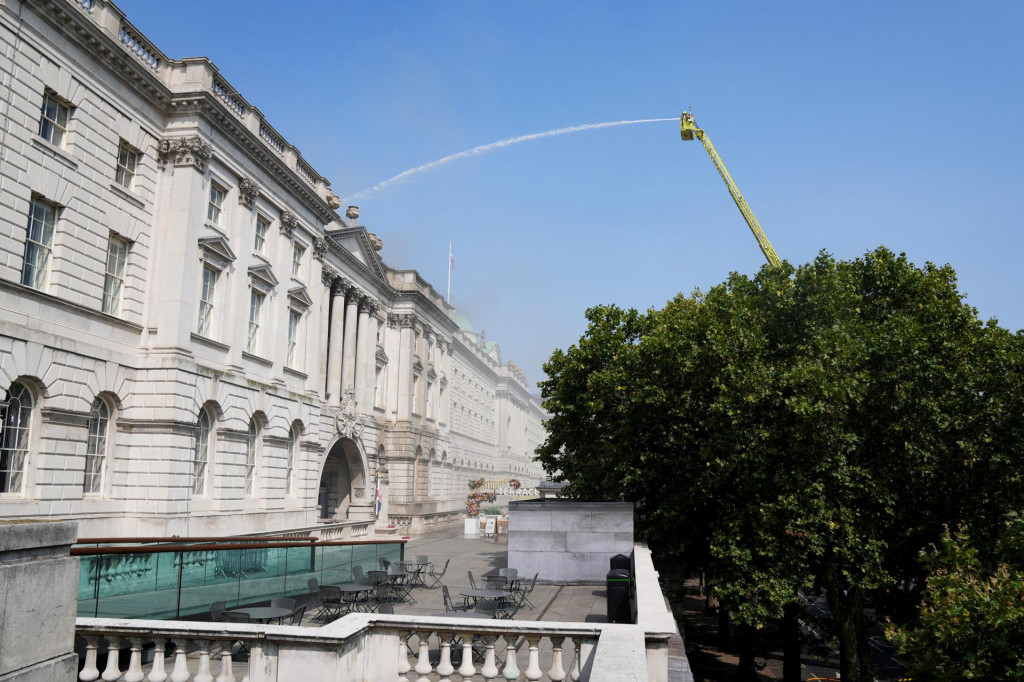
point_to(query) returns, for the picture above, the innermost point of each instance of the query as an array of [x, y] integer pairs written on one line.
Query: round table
[[463, 614], [487, 594], [415, 569], [264, 614], [354, 589]]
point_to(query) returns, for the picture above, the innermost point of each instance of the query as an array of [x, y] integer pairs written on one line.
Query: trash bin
[[620, 561], [617, 587]]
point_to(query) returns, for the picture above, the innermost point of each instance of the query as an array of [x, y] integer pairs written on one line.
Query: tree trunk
[[838, 594], [724, 625], [746, 670], [863, 643], [791, 643]]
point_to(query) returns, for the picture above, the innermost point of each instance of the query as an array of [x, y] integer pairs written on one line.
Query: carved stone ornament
[[393, 320], [375, 241], [319, 248], [348, 422], [367, 305], [328, 275], [333, 200], [352, 213], [182, 151], [248, 192], [288, 223]]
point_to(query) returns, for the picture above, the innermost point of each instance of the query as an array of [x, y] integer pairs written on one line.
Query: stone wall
[[568, 542], [38, 599]]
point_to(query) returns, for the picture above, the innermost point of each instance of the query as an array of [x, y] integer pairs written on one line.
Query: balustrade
[[426, 649]]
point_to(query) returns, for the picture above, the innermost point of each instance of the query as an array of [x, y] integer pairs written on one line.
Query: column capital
[[367, 305], [401, 320], [185, 151], [319, 248], [342, 285], [328, 275], [288, 223]]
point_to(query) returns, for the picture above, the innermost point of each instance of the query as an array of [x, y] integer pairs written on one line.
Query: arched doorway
[[342, 480]]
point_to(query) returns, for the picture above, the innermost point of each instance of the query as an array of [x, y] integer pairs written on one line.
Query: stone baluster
[[157, 672], [204, 674], [510, 671], [489, 669], [557, 672], [135, 673], [403, 658], [423, 666], [533, 671], [444, 666], [180, 672], [89, 671], [577, 651], [226, 673], [466, 669], [112, 673]]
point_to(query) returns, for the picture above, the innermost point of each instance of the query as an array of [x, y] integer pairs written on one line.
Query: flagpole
[[449, 296]]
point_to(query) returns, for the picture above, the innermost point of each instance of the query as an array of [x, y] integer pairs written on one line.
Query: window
[[293, 446], [53, 120], [250, 457], [297, 252], [294, 320], [216, 205], [429, 409], [15, 421], [42, 219], [96, 452], [206, 301], [113, 283], [378, 382], [262, 225], [127, 161], [255, 305], [201, 452]]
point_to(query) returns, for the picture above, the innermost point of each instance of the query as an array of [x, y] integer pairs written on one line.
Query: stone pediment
[[262, 276], [356, 242], [300, 296], [217, 249]]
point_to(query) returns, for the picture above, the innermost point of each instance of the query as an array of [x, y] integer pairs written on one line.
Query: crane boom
[[689, 130]]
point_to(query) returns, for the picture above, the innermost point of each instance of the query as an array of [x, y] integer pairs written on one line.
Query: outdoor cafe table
[[501, 595], [354, 589], [464, 614], [415, 570], [265, 614]]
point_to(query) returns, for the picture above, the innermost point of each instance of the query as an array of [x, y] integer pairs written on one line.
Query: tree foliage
[[806, 427]]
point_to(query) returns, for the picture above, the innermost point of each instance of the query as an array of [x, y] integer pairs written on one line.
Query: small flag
[[451, 258], [379, 497]]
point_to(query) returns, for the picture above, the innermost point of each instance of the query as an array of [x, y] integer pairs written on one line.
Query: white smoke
[[483, 149]]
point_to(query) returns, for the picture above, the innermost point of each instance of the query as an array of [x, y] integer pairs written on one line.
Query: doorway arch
[[342, 480]]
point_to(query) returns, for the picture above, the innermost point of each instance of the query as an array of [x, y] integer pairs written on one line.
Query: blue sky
[[845, 125]]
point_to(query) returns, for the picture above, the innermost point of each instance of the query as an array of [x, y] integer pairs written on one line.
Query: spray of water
[[484, 148]]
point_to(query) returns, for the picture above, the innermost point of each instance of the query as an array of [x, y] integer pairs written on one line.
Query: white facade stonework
[[192, 340]]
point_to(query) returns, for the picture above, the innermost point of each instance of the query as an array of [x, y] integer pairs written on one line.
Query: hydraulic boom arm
[[689, 130]]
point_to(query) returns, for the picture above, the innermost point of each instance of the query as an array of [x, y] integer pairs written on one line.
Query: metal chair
[[358, 576], [384, 585], [297, 615], [236, 617], [472, 583], [403, 583], [436, 577], [450, 606], [283, 603], [217, 609], [522, 595]]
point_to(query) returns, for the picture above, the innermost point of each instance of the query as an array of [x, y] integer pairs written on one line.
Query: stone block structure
[[193, 340]]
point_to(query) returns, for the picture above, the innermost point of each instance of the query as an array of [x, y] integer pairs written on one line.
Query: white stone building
[[192, 340]]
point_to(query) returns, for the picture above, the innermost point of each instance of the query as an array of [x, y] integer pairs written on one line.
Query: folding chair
[[436, 577], [217, 612], [472, 583], [523, 593], [297, 615], [283, 603], [403, 583], [316, 599], [450, 606], [236, 617], [358, 576]]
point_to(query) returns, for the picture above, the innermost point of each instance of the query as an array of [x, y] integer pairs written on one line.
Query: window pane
[[15, 420], [95, 457]]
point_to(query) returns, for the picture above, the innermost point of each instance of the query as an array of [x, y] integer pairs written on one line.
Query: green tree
[[801, 428], [971, 619]]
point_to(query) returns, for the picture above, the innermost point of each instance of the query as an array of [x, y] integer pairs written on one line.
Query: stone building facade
[[193, 341]]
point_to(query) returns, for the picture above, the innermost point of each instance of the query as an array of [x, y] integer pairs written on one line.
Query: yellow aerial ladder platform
[[689, 130]]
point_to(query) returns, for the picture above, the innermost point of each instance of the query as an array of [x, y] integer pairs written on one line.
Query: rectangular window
[[113, 284], [42, 219], [53, 120], [216, 205], [127, 162], [206, 301], [255, 304], [294, 318], [297, 252], [262, 225]]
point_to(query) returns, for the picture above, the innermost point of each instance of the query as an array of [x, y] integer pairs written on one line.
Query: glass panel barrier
[[184, 583]]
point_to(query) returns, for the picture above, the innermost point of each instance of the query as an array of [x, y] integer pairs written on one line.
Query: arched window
[[16, 421], [96, 448], [201, 452], [252, 444]]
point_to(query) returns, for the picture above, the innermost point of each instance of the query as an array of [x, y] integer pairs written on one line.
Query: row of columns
[[349, 330]]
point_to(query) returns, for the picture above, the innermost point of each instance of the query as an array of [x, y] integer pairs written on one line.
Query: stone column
[[371, 357], [392, 346], [360, 355], [328, 277], [405, 353], [348, 369], [334, 354]]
